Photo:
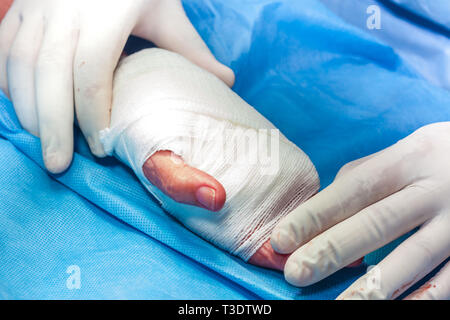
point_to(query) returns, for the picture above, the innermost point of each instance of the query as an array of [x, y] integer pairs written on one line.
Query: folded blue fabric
[[437, 11], [422, 43], [333, 90]]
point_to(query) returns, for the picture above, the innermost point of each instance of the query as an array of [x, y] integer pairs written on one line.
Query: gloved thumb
[[168, 27], [183, 183]]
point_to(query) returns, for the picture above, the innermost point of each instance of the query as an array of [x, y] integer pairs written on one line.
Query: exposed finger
[[408, 263], [54, 94], [369, 182], [437, 288], [356, 263], [360, 234], [266, 257], [183, 183], [20, 68], [171, 29], [4, 7]]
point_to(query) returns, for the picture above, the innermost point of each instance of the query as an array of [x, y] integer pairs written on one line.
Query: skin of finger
[[54, 94], [408, 263], [437, 288], [266, 257], [20, 69], [4, 7], [369, 182], [357, 263], [169, 173], [8, 30], [366, 231]]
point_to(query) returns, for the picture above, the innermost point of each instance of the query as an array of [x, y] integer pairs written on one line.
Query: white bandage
[[161, 101]]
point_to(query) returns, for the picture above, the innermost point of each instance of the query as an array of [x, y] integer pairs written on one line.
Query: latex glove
[[55, 52], [373, 201]]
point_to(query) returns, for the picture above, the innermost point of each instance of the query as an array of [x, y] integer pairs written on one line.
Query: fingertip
[[221, 71], [266, 257], [57, 149], [57, 162], [211, 197], [357, 263], [296, 273], [96, 146], [211, 64], [227, 75], [206, 196], [282, 241], [219, 198], [183, 183], [292, 273]]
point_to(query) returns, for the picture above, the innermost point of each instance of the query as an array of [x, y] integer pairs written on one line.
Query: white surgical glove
[[373, 201], [57, 52]]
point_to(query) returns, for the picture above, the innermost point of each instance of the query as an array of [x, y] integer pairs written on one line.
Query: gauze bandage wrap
[[162, 101]]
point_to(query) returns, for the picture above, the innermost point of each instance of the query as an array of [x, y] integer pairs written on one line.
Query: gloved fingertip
[[57, 162], [223, 72], [282, 241], [96, 146], [227, 75], [291, 272], [295, 274]]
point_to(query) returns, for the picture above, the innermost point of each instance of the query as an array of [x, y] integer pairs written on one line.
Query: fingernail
[[207, 197]]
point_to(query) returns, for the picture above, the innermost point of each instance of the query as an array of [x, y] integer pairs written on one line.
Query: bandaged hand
[[373, 201], [181, 129], [55, 52]]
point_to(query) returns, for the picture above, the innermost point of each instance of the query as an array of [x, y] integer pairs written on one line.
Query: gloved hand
[[373, 201], [55, 52]]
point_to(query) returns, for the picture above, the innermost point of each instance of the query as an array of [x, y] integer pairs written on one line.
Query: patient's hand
[[196, 145], [186, 184]]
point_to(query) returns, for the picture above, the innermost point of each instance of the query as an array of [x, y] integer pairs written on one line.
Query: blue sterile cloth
[[437, 11], [331, 88], [416, 29]]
